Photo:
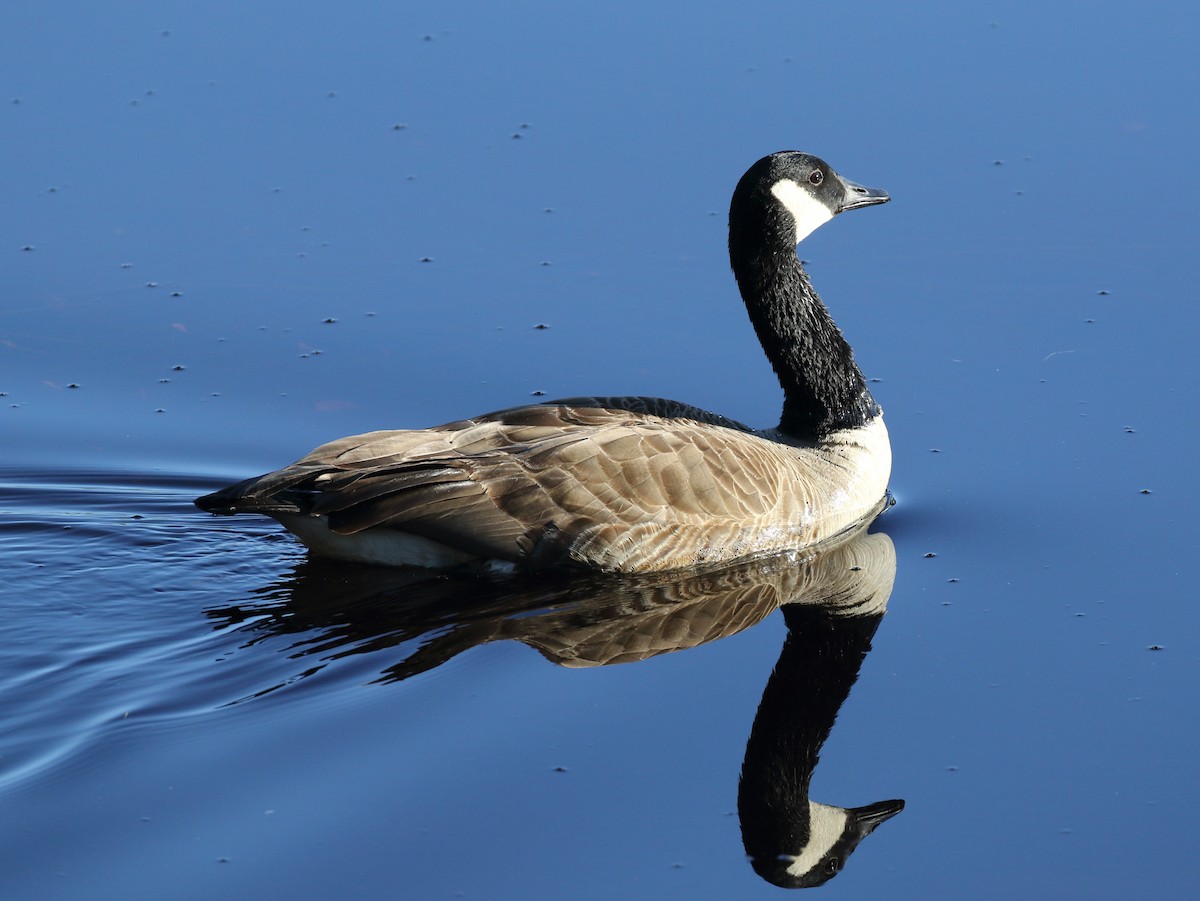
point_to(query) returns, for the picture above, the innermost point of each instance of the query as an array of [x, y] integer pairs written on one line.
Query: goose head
[[785, 197], [834, 833]]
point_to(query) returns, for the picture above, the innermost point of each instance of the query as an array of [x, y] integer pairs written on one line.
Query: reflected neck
[[817, 667]]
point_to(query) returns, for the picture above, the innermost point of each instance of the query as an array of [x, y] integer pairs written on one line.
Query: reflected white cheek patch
[[807, 212]]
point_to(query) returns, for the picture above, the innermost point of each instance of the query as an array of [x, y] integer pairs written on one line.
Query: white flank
[[808, 213], [384, 547]]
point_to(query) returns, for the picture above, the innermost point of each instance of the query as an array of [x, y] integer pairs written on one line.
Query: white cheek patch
[[826, 825], [807, 212]]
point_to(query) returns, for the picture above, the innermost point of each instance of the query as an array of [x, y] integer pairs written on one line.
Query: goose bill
[[858, 195]]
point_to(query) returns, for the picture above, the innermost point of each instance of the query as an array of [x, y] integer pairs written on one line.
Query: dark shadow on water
[[832, 602]]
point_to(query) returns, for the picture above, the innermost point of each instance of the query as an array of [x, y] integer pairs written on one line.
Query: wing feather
[[638, 484]]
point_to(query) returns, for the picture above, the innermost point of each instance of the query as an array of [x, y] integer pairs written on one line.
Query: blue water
[[190, 192]]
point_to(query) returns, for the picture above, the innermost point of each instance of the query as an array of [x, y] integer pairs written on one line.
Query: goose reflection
[[832, 600], [794, 842]]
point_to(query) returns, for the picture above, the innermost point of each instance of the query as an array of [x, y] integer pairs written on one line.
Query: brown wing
[[604, 484]]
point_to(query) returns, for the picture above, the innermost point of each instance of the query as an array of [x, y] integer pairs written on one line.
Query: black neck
[[817, 667], [823, 388]]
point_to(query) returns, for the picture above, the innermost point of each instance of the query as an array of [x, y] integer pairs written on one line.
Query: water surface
[[230, 234]]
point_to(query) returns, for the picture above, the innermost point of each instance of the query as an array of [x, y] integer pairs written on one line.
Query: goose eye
[[816, 178]]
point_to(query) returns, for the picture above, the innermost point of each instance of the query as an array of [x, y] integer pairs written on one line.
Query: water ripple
[[109, 575]]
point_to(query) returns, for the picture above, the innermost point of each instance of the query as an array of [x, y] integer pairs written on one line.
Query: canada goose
[[626, 484]]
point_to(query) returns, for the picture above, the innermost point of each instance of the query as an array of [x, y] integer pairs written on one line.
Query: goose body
[[628, 484]]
